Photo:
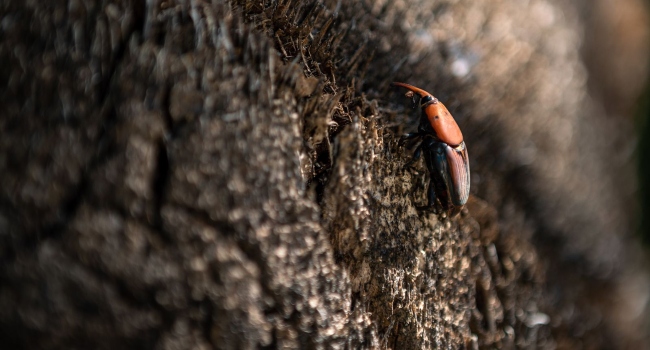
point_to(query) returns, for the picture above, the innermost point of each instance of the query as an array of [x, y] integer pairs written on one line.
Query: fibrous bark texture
[[228, 174]]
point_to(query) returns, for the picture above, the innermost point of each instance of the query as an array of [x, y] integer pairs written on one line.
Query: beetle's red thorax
[[443, 124]]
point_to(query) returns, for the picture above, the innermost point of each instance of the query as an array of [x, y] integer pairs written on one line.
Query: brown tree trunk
[[227, 174]]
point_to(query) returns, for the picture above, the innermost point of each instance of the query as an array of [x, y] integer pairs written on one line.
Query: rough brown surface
[[227, 174]]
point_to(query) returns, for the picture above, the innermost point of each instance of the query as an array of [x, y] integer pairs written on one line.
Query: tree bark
[[227, 174]]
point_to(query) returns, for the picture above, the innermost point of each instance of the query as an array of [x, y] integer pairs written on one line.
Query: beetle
[[445, 154]]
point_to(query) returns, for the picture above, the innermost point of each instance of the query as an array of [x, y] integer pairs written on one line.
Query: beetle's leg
[[454, 211], [431, 194], [414, 101], [409, 136], [416, 157], [431, 199]]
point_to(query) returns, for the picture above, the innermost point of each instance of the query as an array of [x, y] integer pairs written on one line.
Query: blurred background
[[616, 53], [620, 81], [643, 154]]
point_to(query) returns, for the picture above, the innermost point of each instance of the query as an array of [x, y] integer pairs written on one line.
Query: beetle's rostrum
[[444, 150]]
